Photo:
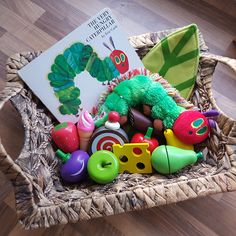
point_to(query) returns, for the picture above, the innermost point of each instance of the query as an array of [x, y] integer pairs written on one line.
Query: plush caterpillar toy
[[189, 126], [76, 59]]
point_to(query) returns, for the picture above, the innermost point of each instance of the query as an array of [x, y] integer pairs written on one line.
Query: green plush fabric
[[176, 58], [140, 90]]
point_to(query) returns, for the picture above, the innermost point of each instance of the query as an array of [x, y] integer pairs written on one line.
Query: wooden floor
[[38, 24]]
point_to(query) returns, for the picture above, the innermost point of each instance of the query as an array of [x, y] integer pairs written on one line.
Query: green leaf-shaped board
[[176, 58]]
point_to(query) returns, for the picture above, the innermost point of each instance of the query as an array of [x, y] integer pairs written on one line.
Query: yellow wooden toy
[[133, 157], [172, 140]]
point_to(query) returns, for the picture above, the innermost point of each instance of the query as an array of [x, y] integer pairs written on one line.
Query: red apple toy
[[66, 137], [141, 138]]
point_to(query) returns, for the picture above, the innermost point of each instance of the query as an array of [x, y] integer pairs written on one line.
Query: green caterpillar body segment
[[72, 55], [74, 60], [140, 90], [69, 98], [57, 80]]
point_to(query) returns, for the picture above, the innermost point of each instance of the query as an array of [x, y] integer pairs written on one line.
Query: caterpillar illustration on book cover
[[73, 74], [76, 59]]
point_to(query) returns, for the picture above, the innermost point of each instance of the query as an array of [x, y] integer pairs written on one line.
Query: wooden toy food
[[172, 140], [85, 127], [138, 120], [133, 157], [74, 168], [113, 121], [66, 137], [168, 159], [103, 167], [104, 137], [147, 138]]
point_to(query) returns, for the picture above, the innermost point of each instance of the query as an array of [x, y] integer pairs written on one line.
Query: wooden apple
[[103, 167], [141, 138]]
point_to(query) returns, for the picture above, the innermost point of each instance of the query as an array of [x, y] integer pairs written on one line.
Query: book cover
[[72, 74]]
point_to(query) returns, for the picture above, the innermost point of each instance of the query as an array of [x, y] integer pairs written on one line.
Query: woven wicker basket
[[42, 200]]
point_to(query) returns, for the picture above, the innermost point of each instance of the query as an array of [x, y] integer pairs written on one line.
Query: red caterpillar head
[[191, 127], [119, 58]]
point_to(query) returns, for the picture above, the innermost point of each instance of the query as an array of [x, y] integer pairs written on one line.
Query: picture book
[[72, 74]]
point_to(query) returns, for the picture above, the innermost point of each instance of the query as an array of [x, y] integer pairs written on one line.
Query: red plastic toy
[[66, 137], [141, 138]]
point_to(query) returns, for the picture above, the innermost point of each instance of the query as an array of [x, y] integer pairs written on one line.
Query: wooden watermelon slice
[[176, 58]]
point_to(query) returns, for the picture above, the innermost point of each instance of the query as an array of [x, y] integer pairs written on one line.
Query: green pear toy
[[169, 159]]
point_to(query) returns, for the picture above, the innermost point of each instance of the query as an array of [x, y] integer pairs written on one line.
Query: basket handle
[[228, 130], [225, 60], [7, 164]]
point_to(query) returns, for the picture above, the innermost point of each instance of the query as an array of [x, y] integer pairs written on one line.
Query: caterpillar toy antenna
[[112, 43], [107, 46]]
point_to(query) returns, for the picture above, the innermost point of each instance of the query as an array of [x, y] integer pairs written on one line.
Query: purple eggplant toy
[[74, 169]]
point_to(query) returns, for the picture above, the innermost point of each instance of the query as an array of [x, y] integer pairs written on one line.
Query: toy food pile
[[140, 125], [138, 128]]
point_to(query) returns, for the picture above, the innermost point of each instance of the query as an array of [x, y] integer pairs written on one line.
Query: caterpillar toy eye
[[122, 57], [202, 131], [117, 60], [197, 123]]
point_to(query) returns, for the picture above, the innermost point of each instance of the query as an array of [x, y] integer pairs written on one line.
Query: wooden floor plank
[[10, 44], [147, 222], [215, 215], [10, 21], [228, 7], [11, 129], [24, 8], [226, 104], [171, 9], [188, 221], [2, 31], [54, 26], [226, 199], [19, 230], [133, 10], [3, 59], [203, 9], [130, 27], [62, 9], [36, 38], [89, 7], [98, 226], [129, 224], [8, 219], [10, 199]]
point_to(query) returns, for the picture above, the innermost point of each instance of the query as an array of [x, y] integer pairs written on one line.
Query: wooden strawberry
[[66, 137]]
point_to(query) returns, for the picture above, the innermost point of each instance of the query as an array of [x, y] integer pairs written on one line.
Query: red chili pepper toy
[[141, 138]]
